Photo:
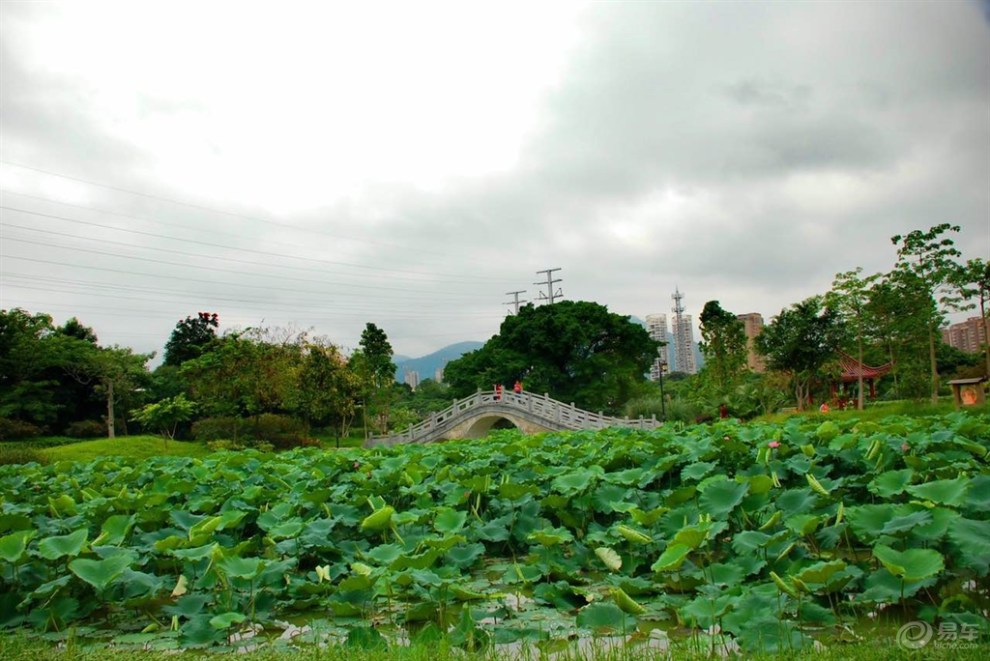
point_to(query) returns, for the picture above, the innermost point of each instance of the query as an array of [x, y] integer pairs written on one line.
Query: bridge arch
[[476, 415]]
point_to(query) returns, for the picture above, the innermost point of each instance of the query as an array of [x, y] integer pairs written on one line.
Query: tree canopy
[[576, 351]]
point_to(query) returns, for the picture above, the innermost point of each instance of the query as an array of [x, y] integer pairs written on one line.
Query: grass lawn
[[134, 447]]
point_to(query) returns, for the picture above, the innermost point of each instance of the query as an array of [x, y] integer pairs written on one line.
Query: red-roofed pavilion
[[852, 369]]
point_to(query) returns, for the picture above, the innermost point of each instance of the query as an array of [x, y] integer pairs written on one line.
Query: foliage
[[376, 373], [849, 297], [191, 337], [166, 415], [574, 350], [974, 282], [801, 341], [17, 429], [767, 534], [86, 429], [723, 343], [328, 391], [930, 259]]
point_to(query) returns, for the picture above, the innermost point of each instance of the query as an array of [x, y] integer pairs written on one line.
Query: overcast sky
[[407, 164]]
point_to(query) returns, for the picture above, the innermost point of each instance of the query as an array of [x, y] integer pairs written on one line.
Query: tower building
[[683, 336]]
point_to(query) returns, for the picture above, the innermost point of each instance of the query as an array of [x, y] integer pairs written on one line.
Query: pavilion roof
[[852, 368]]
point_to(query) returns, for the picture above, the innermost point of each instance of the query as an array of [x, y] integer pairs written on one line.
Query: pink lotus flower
[[773, 444], [905, 447]]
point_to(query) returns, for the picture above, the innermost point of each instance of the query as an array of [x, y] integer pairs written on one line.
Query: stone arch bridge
[[474, 417]]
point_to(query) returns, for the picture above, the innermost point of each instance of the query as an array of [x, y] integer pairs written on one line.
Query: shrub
[[11, 453], [218, 428], [281, 431], [15, 429], [86, 429]]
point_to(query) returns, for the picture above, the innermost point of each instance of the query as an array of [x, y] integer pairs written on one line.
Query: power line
[[199, 207], [208, 244]]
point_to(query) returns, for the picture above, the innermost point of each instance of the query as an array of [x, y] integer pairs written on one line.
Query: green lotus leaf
[[449, 520], [53, 548], [241, 567], [609, 558], [286, 530], [114, 530], [605, 618], [379, 519], [633, 535], [200, 532], [626, 603], [672, 557], [820, 573], [465, 555], [551, 536], [12, 546], [692, 536], [721, 497], [911, 565], [943, 492], [225, 620], [697, 470], [365, 638], [576, 482], [970, 538], [385, 554], [867, 521], [905, 522], [803, 524], [101, 573], [891, 483], [748, 541]]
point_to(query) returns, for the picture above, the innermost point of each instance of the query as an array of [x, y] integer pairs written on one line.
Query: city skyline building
[[683, 336], [753, 326], [656, 327], [969, 336]]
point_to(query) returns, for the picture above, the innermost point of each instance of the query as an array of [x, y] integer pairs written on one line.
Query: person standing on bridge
[[517, 388], [498, 392]]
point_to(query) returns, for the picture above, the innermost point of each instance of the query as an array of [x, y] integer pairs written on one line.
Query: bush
[[11, 453], [16, 429], [86, 429], [280, 430], [219, 428]]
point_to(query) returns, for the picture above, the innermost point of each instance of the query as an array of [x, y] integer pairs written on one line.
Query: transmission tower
[[550, 282], [516, 301]]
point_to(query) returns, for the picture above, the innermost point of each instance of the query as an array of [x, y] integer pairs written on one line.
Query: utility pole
[[515, 303], [550, 295]]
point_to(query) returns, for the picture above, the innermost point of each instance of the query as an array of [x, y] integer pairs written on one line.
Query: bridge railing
[[549, 411]]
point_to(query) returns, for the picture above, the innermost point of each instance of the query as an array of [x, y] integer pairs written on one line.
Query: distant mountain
[[427, 365]]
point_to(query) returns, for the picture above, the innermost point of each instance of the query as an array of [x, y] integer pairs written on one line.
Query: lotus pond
[[751, 537]]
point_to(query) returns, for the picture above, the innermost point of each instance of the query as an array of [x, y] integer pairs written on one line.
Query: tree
[[26, 391], [974, 282], [577, 351], [723, 343], [931, 259], [117, 373], [849, 296], [801, 341], [373, 364], [166, 415], [191, 337], [328, 390]]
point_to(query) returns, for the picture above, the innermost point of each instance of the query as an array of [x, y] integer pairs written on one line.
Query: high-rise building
[[968, 336], [412, 379], [753, 326], [683, 336], [656, 326]]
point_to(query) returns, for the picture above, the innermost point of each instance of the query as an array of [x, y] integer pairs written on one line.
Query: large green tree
[[723, 343], [974, 281], [801, 341], [931, 257], [191, 337], [328, 391], [576, 351], [374, 367], [849, 297]]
